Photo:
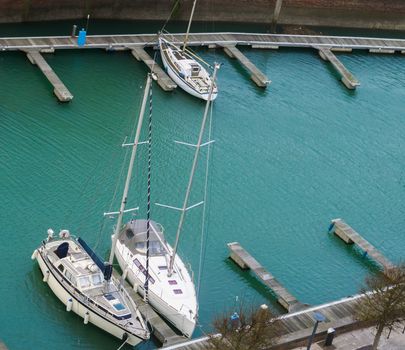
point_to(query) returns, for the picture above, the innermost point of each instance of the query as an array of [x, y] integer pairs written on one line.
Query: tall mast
[[190, 180], [189, 25], [130, 166]]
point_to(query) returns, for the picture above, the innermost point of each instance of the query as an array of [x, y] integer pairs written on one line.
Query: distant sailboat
[[153, 267], [184, 69]]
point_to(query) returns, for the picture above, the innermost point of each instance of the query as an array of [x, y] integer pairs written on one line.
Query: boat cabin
[[134, 237]]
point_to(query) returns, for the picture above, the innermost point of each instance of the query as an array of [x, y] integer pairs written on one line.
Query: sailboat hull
[[178, 319], [78, 307], [181, 80]]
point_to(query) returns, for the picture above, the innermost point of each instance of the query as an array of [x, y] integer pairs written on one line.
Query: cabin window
[[129, 233], [96, 279], [109, 297], [140, 246], [84, 282], [70, 277], [61, 268]]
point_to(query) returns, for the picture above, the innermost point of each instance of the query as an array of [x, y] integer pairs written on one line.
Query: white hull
[[80, 309], [180, 81], [177, 319]]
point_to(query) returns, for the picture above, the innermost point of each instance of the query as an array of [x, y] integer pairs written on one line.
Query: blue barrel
[[81, 40]]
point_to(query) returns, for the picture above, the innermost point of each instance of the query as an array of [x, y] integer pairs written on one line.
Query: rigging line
[[146, 285], [175, 7], [203, 226]]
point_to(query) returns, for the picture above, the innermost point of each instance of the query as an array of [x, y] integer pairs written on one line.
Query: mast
[[130, 166], [189, 25], [190, 180]]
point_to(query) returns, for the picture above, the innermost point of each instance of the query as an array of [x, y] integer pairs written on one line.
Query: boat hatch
[[172, 282], [195, 70], [177, 291], [119, 307], [179, 55], [109, 297]]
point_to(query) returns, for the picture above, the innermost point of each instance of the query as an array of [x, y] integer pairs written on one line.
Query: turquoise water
[[286, 161]]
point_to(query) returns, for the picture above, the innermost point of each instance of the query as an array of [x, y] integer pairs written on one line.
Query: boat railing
[[133, 306]]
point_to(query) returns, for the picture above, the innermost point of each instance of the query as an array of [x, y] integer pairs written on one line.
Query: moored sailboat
[[184, 69], [85, 284], [152, 266]]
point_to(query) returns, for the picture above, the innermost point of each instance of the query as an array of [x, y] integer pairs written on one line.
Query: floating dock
[[137, 43], [164, 81], [160, 329], [347, 78], [60, 90], [350, 236], [256, 75], [245, 261], [119, 42]]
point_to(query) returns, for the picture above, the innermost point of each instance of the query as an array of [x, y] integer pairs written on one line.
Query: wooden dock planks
[[298, 326], [160, 328], [245, 260], [347, 78], [256, 75], [349, 235], [60, 90], [164, 81], [378, 45]]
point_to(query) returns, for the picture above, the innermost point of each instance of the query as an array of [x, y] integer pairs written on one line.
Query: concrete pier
[[164, 81], [256, 75], [350, 236], [241, 257], [160, 329], [298, 326], [347, 78], [60, 90]]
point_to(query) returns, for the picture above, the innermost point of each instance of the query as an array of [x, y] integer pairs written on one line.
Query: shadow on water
[[255, 284], [354, 253]]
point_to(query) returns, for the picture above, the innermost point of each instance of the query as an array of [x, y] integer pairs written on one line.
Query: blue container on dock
[[81, 40]]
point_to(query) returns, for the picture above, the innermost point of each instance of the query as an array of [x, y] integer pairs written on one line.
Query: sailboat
[[153, 267], [86, 285], [184, 69]]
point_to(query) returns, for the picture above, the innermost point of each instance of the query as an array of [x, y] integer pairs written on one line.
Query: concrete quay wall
[[368, 14]]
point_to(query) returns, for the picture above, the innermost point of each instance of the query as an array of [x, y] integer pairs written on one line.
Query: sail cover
[[106, 269]]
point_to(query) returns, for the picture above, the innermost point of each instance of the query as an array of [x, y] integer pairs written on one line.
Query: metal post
[[74, 28], [312, 335], [319, 318], [276, 13]]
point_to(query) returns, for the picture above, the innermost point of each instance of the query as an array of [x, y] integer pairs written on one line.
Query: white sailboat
[[184, 69], [84, 283], [153, 267]]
